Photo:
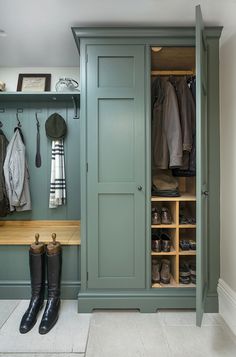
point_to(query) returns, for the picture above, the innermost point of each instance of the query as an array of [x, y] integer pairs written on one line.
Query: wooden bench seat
[[23, 232]]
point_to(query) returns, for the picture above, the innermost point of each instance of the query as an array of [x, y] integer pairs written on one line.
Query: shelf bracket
[[76, 104]]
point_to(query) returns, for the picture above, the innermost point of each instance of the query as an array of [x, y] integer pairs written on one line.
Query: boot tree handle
[[54, 236], [36, 238]]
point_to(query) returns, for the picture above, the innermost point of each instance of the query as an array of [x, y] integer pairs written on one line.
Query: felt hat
[[55, 127]]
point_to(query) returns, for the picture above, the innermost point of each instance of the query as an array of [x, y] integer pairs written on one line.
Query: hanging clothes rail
[[173, 73]]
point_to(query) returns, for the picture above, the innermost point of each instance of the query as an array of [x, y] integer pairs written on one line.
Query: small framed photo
[[30, 82]]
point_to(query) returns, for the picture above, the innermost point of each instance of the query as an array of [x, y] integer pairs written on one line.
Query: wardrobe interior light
[[156, 49]]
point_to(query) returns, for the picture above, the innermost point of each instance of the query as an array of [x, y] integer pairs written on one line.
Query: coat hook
[[37, 120], [75, 107], [18, 120]]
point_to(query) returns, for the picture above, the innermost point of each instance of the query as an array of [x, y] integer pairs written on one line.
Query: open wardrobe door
[[202, 165]]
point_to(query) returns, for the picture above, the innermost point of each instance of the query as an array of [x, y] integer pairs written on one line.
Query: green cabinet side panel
[[202, 165], [116, 167], [213, 166]]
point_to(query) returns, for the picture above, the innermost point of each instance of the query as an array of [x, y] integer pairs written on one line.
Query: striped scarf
[[58, 181]]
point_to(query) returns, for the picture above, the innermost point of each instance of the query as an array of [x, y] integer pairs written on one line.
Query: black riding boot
[[54, 263], [37, 276]]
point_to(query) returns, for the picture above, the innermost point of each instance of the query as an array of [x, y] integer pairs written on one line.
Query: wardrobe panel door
[[116, 167], [202, 166]]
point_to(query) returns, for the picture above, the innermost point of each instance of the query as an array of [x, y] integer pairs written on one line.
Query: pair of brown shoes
[[161, 242], [161, 271], [163, 217]]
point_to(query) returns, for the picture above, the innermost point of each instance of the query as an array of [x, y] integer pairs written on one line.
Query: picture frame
[[34, 82]]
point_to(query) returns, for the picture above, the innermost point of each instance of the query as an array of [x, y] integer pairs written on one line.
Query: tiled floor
[[115, 334]]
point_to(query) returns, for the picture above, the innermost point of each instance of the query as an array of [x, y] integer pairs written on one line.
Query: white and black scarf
[[58, 181]]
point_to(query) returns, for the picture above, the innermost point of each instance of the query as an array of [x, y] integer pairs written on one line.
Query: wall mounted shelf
[[74, 97]]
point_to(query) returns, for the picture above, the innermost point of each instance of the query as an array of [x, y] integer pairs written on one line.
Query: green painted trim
[[21, 289], [211, 304], [214, 166], [145, 302], [161, 32], [148, 165], [83, 164]]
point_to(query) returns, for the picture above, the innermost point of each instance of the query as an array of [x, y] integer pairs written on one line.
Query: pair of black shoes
[[161, 242], [187, 273], [37, 262], [187, 244]]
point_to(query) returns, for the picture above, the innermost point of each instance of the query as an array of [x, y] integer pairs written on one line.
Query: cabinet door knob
[[140, 188]]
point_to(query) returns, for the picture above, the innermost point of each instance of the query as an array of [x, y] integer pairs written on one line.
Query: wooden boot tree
[[37, 247], [54, 247]]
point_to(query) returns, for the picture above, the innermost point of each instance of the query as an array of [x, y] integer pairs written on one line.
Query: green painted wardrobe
[[116, 200]]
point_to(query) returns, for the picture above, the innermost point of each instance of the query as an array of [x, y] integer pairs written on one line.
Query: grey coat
[[17, 175], [167, 149]]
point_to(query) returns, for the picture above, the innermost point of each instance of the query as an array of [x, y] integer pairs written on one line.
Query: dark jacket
[[166, 129], [188, 121], [186, 110], [4, 203]]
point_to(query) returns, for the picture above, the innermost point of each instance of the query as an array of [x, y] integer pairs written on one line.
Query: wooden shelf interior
[[177, 61], [184, 196], [172, 59], [172, 252], [23, 232]]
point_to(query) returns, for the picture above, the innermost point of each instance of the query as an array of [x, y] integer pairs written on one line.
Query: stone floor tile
[[68, 335], [126, 334]]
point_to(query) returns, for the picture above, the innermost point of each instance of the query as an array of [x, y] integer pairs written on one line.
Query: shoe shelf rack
[[177, 232]]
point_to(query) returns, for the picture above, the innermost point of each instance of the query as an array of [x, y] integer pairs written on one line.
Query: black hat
[[55, 127]]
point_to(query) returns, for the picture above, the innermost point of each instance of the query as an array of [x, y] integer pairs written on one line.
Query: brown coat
[[167, 148]]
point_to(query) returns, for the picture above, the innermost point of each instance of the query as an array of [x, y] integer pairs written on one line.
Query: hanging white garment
[[16, 174], [58, 181]]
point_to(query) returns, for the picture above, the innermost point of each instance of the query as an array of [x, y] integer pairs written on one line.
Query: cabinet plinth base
[[146, 302]]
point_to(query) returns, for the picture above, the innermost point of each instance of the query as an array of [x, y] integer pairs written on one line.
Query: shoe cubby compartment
[[164, 209], [187, 239], [173, 272], [187, 214], [187, 271], [186, 203], [163, 233]]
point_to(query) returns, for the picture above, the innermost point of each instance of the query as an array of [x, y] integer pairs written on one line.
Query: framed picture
[[30, 82]]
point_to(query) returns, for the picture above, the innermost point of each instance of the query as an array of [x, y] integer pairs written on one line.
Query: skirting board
[[227, 304]]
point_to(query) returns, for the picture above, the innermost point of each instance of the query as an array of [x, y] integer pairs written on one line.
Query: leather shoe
[[165, 216]]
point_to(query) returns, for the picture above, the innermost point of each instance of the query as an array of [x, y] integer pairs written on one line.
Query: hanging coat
[[4, 203], [166, 129], [17, 175]]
